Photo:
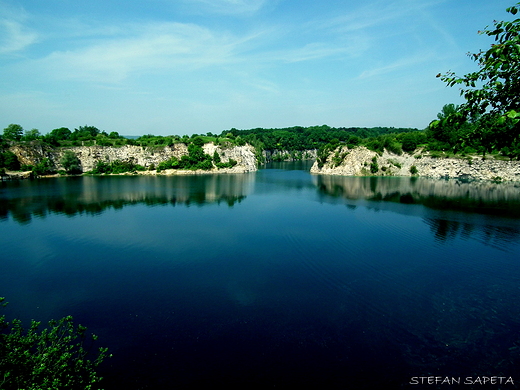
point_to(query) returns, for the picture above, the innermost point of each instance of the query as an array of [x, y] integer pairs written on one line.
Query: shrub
[[395, 163], [374, 167], [323, 154], [230, 164], [172, 163], [393, 147], [70, 162], [216, 157], [413, 170], [115, 167], [44, 167], [338, 158], [54, 358], [409, 143], [9, 160]]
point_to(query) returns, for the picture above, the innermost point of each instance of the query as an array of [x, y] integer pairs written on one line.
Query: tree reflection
[[94, 195], [481, 200]]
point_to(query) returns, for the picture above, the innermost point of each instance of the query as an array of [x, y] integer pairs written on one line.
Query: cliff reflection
[[24, 200], [442, 198], [475, 197]]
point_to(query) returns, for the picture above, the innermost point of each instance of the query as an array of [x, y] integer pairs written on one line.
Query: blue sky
[[197, 66]]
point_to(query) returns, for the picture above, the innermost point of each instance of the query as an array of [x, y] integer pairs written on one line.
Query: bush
[[9, 160], [395, 163], [374, 167], [323, 154], [101, 167], [338, 158], [172, 163], [409, 142], [230, 164], [44, 167], [54, 358], [413, 170], [115, 167], [70, 162], [216, 157]]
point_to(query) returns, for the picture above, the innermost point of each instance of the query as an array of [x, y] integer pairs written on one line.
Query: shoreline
[[27, 175], [364, 162]]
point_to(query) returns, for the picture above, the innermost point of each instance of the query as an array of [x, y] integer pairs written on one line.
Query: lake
[[273, 279]]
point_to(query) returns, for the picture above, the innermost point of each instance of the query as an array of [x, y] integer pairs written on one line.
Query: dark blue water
[[276, 279]]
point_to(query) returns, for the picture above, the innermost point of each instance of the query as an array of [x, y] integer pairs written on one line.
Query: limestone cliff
[[286, 155], [144, 156], [360, 162]]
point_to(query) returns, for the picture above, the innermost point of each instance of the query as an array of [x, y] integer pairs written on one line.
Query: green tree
[[85, 133], [31, 135], [492, 91], [374, 166], [9, 160], [216, 157], [56, 135], [448, 130], [13, 132], [44, 167], [409, 141], [447, 110], [54, 358], [70, 162]]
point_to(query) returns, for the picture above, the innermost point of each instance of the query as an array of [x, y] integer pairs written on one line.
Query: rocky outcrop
[[144, 156], [360, 162], [286, 155]]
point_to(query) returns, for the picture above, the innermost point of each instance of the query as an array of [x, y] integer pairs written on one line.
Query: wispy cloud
[[400, 64], [311, 51], [145, 48], [14, 37], [229, 7]]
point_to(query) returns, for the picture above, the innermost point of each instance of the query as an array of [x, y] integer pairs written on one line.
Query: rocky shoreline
[[363, 162], [145, 157]]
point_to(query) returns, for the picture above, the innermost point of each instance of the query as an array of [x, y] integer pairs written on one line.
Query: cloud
[[145, 48], [168, 47], [229, 7], [402, 63], [311, 51], [14, 37]]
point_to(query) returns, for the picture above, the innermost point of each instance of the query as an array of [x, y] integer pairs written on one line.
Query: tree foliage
[[71, 162], [496, 84], [44, 167], [54, 358], [9, 160], [492, 92], [115, 167], [13, 132]]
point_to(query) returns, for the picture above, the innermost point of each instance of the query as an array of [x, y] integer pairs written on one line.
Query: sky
[[167, 67]]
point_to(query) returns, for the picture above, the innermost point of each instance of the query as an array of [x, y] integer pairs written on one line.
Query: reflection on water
[[476, 197], [308, 282], [476, 200], [92, 195]]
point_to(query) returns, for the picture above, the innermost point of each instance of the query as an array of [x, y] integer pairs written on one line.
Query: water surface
[[276, 278]]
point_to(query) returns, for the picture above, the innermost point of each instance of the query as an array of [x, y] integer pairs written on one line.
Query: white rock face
[[144, 156], [357, 163]]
